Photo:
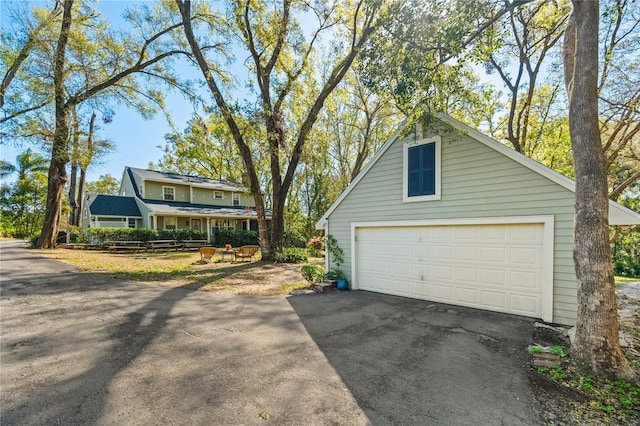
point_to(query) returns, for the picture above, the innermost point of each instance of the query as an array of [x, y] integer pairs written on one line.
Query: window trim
[[221, 197], [233, 200], [173, 189], [173, 219], [224, 224], [405, 170]]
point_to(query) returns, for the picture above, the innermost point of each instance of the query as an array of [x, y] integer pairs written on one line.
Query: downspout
[[325, 227]]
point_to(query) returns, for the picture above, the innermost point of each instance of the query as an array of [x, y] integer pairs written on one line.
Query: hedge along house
[[173, 201], [452, 216]]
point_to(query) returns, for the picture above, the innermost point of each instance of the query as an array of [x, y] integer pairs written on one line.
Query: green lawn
[[620, 279]]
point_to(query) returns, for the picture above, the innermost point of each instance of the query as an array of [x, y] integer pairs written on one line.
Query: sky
[[137, 141]]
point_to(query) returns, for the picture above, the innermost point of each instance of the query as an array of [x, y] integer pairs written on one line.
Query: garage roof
[[618, 214]]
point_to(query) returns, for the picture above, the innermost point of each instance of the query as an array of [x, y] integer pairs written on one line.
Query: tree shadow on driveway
[[416, 362], [80, 348]]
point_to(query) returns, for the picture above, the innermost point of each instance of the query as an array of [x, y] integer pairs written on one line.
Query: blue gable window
[[422, 170]]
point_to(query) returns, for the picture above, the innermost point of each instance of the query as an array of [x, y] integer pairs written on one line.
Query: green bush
[[312, 273], [33, 241], [626, 268], [293, 239], [335, 273], [98, 236], [625, 251], [314, 253], [236, 238], [291, 255], [181, 234]]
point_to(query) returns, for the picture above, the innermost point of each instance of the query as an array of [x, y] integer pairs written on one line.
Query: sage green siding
[[154, 191], [477, 182], [205, 196], [144, 212], [126, 187]]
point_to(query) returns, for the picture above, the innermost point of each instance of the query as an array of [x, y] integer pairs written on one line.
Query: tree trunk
[[88, 158], [59, 150], [80, 199], [75, 154], [596, 349], [277, 222], [72, 194]]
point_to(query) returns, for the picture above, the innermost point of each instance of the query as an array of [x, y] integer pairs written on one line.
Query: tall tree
[[90, 61], [106, 185], [26, 44], [619, 93], [57, 176], [521, 49], [596, 347], [357, 122], [516, 48], [206, 148], [24, 200], [411, 56], [281, 64]]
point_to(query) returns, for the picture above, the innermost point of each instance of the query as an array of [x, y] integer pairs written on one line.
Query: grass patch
[[606, 402], [185, 270], [288, 288], [620, 279]]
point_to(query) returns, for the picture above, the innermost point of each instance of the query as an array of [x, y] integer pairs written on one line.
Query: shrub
[[291, 255], [335, 273], [293, 239], [181, 234], [33, 241], [236, 238], [98, 236], [314, 253], [312, 273]]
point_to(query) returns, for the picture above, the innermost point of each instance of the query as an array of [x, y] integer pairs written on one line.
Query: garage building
[[448, 214]]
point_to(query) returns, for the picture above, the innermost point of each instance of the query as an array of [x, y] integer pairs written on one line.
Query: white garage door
[[492, 267]]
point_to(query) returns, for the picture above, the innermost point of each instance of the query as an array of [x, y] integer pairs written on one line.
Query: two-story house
[[159, 200]]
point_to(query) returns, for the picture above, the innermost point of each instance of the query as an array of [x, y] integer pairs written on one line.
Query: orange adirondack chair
[[206, 253], [246, 252]]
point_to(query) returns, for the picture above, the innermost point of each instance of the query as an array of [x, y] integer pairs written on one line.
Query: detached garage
[[455, 217]]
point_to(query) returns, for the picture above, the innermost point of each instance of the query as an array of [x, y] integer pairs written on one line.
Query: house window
[[168, 193], [224, 224], [132, 223], [236, 199], [421, 170], [218, 195], [170, 222]]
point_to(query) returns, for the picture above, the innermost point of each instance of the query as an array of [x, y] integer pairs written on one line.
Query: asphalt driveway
[[80, 348]]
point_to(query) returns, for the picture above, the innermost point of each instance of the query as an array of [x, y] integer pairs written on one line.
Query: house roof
[[179, 208], [188, 209], [112, 205], [174, 178], [618, 214]]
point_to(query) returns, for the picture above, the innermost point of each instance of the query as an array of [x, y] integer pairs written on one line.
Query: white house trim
[[548, 246], [164, 194], [405, 169]]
